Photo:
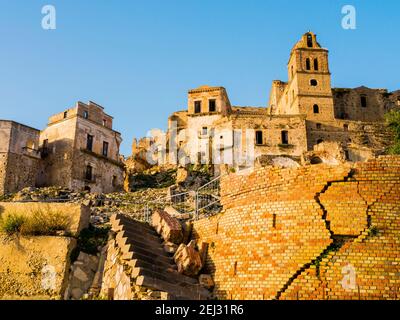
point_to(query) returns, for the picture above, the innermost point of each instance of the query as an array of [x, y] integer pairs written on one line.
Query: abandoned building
[[78, 150], [19, 156], [302, 116]]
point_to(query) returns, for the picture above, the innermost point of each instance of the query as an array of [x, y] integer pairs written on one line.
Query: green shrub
[[393, 122], [12, 223], [89, 240]]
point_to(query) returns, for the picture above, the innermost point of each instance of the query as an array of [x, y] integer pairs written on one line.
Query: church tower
[[309, 85]]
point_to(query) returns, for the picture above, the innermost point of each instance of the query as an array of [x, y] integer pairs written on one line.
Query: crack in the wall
[[336, 244]]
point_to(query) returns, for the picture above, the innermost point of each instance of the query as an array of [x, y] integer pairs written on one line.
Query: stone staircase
[[142, 250]]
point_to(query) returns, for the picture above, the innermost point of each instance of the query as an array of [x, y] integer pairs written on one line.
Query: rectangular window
[[65, 114], [89, 142], [259, 137], [204, 131], [104, 122], [347, 154], [114, 181], [86, 114], [363, 101], [285, 137], [197, 106], [105, 148], [89, 173], [212, 107]]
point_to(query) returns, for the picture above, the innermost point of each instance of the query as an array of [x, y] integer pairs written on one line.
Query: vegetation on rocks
[[91, 240], [393, 122]]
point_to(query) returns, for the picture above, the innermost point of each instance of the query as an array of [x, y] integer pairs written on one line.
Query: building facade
[[303, 114], [78, 150], [19, 156]]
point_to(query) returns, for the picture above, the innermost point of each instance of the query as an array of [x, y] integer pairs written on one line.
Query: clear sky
[[139, 58]]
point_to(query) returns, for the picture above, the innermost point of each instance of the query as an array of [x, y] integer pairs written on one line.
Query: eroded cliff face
[[315, 232]]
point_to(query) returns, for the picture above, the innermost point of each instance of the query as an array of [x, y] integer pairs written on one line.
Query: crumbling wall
[[288, 233], [34, 267], [19, 156], [78, 214]]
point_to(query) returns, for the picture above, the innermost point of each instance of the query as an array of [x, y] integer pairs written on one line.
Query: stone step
[[118, 221], [145, 238], [136, 263], [140, 243], [128, 255], [150, 254], [168, 276], [141, 231], [142, 225], [189, 292]]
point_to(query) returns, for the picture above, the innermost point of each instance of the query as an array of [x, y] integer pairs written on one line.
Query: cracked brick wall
[[315, 232]]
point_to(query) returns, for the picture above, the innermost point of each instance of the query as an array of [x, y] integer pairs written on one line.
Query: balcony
[[100, 156], [33, 153]]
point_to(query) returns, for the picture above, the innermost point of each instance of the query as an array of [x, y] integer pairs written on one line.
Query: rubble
[[206, 281], [188, 259], [168, 227]]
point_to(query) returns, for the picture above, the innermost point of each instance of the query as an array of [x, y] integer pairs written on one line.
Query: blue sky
[[139, 58]]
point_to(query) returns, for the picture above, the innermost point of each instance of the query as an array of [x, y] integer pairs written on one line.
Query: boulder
[[168, 227], [170, 247], [206, 281], [181, 175], [188, 260]]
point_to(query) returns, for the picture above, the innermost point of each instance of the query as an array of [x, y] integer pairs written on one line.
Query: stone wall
[[34, 267], [19, 156], [78, 214], [296, 233]]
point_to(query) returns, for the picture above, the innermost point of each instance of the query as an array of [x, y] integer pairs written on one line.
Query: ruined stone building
[[303, 115], [78, 149], [19, 156]]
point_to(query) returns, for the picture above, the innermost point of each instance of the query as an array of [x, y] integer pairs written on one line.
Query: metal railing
[[203, 201]]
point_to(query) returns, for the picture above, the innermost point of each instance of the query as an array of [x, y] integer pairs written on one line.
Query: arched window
[[308, 64], [309, 40], [320, 141], [313, 82], [316, 108], [316, 64], [291, 71]]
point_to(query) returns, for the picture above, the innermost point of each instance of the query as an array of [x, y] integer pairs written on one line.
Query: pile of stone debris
[[102, 205], [189, 256]]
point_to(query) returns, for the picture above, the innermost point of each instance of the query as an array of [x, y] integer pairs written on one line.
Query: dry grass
[[39, 223]]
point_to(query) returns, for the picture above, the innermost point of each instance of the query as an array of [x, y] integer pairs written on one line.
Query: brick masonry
[[303, 233]]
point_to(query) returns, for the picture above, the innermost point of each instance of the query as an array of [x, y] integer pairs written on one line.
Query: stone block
[[188, 260], [168, 227]]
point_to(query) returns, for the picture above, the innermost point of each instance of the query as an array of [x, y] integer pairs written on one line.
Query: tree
[[393, 122]]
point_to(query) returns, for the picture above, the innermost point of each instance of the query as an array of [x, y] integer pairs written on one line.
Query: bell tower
[[309, 83]]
